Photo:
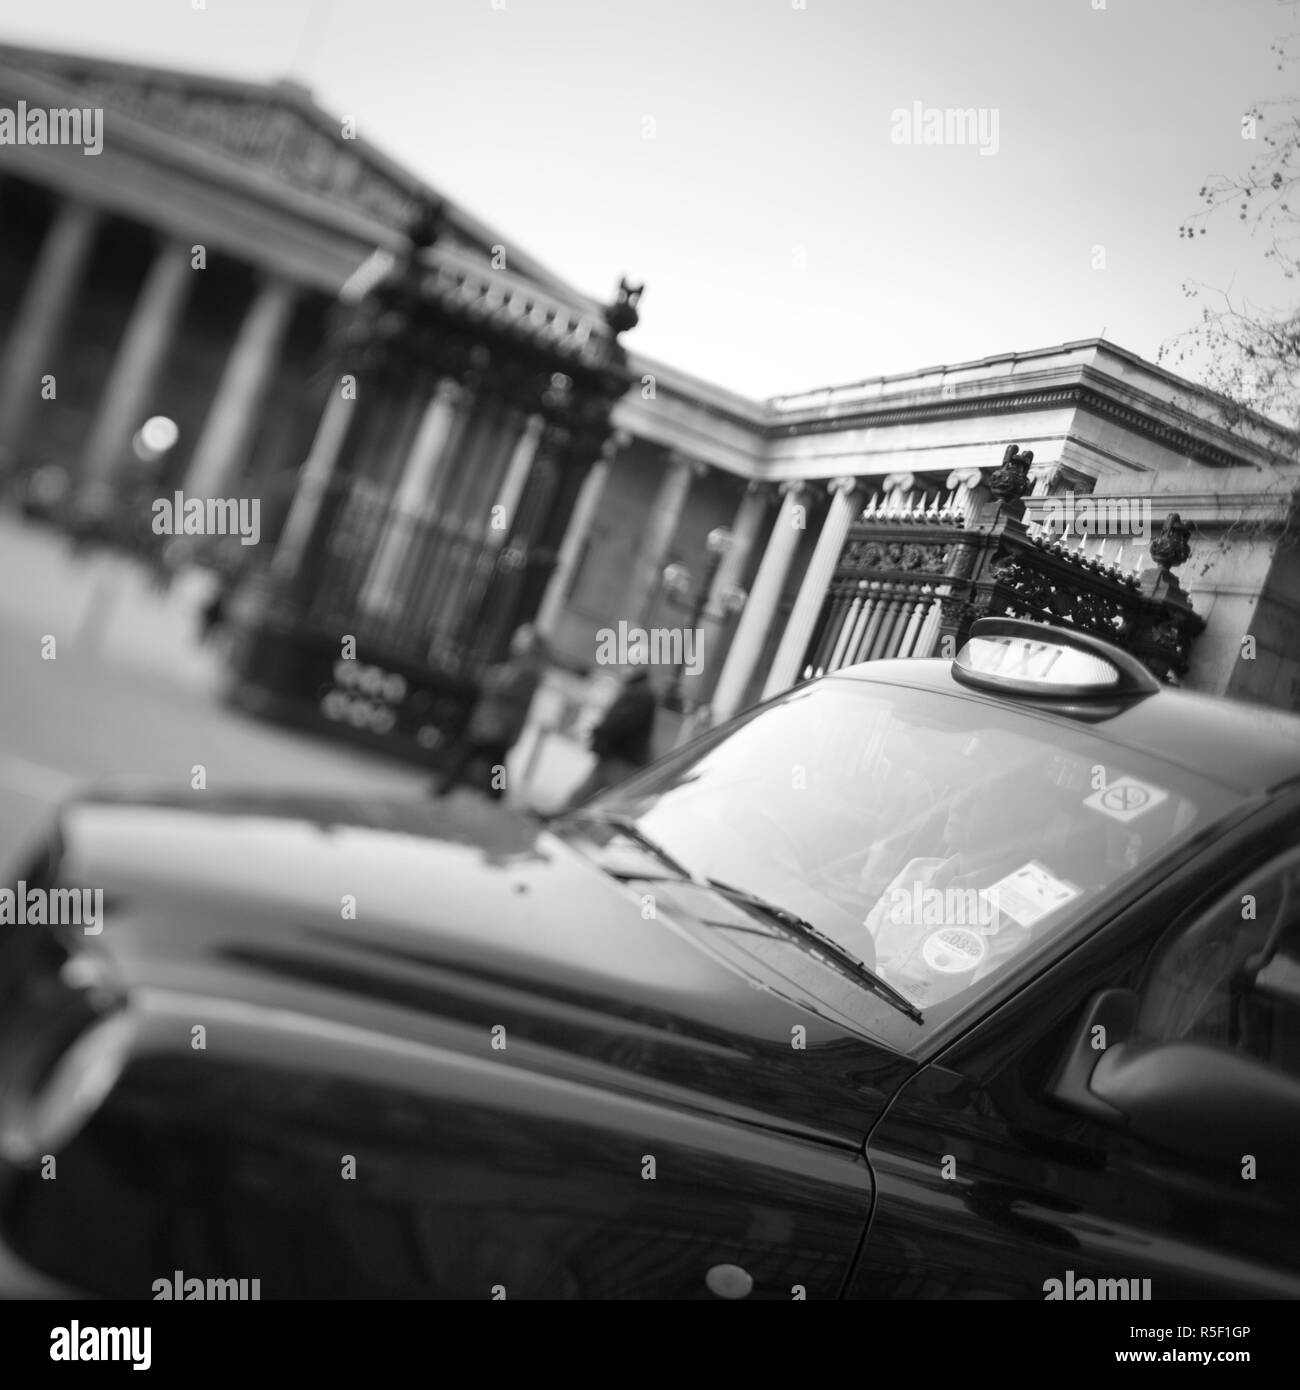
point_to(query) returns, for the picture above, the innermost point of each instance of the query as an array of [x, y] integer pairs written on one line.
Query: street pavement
[[126, 691]]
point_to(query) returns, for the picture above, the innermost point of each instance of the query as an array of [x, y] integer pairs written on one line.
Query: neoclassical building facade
[[1100, 423], [447, 439]]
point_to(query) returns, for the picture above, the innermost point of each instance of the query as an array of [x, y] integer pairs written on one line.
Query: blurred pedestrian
[[622, 740], [500, 714], [212, 615]]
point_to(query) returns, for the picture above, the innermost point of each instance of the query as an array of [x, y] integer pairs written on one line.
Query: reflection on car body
[[925, 979]]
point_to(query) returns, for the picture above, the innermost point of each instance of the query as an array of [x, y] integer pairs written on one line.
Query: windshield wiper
[[791, 921], [627, 825], [860, 970]]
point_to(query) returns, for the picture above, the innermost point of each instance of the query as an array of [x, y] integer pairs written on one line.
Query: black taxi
[[926, 979]]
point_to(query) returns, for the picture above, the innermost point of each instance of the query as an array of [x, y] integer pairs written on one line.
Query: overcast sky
[[786, 236]]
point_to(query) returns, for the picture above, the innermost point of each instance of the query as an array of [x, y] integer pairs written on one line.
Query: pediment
[[272, 127], [276, 128]]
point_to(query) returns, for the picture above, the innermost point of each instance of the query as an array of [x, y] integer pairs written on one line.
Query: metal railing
[[921, 566], [421, 586]]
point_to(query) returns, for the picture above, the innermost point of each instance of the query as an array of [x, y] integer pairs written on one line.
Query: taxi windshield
[[935, 837]]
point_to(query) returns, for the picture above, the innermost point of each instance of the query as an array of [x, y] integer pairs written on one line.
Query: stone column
[[515, 480], [314, 479], [744, 531], [413, 490], [55, 282], [812, 592], [220, 452], [581, 518], [135, 371], [661, 527], [426, 454], [961, 485], [760, 609]]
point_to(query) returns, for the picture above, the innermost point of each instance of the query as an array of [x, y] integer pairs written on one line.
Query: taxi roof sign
[[1020, 657]]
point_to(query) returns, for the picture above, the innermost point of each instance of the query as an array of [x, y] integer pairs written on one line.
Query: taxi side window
[[1231, 978]]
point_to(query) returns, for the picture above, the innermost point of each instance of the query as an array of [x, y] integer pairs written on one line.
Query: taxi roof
[[1249, 748]]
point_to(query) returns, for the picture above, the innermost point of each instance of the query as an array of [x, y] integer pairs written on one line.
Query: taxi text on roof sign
[[1011, 654]]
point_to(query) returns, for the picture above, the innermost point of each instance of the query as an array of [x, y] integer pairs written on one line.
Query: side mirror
[[1204, 1101], [1192, 1098]]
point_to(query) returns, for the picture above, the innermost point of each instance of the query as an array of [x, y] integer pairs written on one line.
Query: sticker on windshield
[[1126, 798], [1029, 894], [953, 951]]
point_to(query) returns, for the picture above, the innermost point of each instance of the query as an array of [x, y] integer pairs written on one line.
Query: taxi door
[[1128, 1125]]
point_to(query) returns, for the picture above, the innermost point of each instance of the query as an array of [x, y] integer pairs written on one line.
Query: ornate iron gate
[[919, 567], [886, 599], [423, 589]]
